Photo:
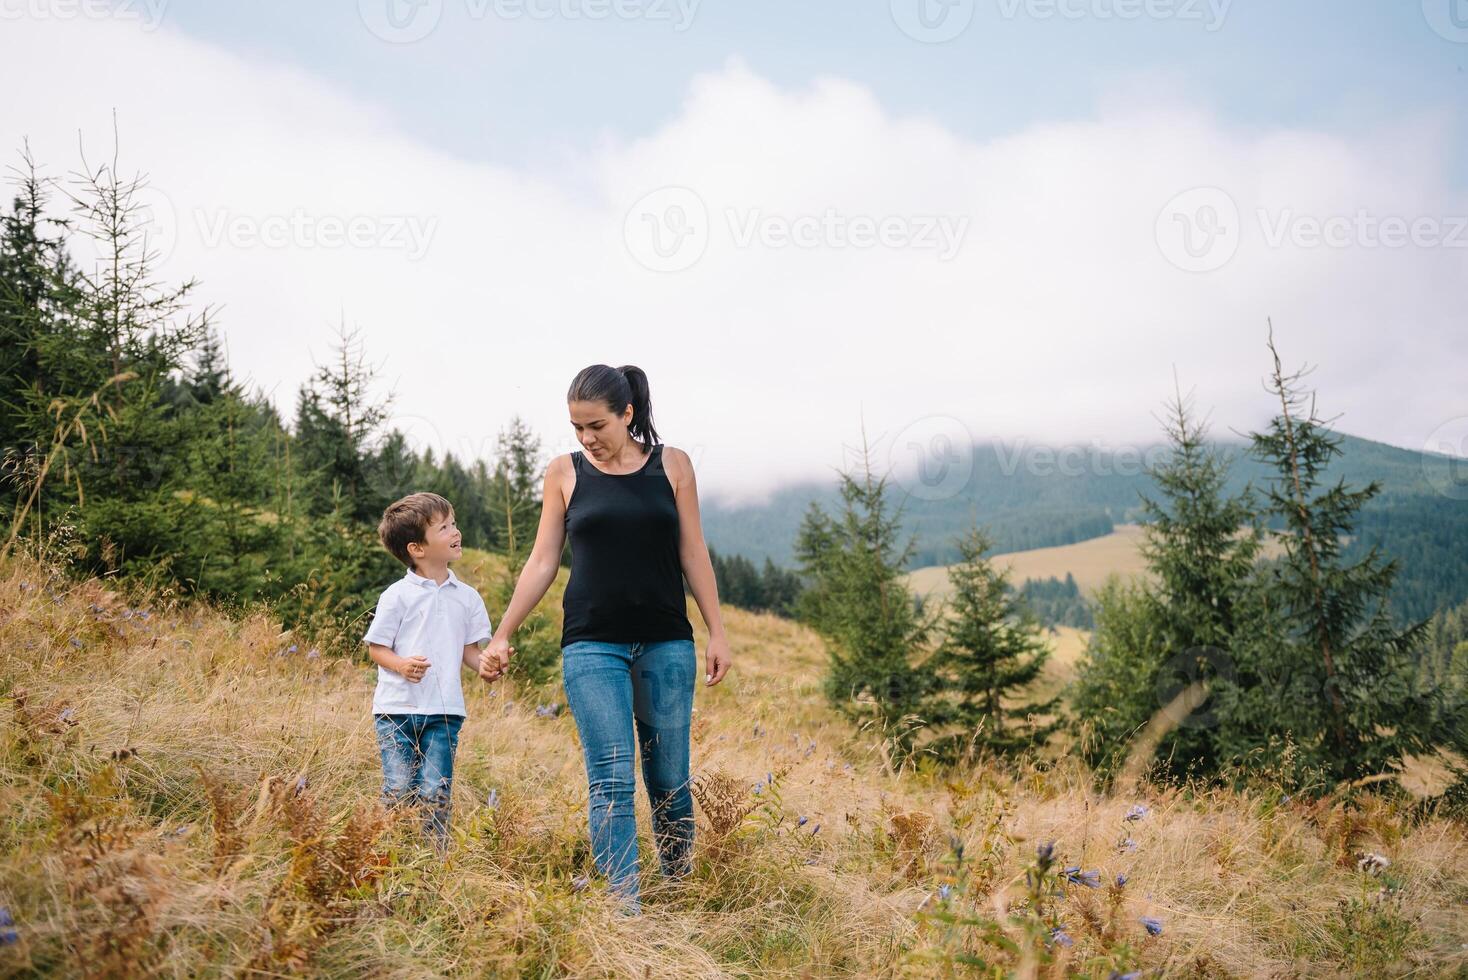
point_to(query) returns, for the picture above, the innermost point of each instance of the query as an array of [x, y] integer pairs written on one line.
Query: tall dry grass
[[192, 793]]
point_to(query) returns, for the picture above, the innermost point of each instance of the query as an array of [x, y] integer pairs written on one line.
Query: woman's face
[[600, 433]]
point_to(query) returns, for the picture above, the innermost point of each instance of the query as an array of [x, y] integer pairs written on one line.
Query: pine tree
[[1201, 547], [1339, 669], [1176, 635], [338, 420], [858, 603], [990, 652], [515, 488]]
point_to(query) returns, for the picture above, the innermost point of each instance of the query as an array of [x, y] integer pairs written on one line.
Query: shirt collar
[[420, 580]]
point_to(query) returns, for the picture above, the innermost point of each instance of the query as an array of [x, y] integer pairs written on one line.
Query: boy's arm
[[411, 668], [477, 630], [473, 659]]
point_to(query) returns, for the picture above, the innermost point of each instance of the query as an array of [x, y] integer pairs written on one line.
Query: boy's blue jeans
[[633, 699], [418, 766]]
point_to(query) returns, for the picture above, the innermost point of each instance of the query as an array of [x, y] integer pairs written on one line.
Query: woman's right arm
[[544, 561]]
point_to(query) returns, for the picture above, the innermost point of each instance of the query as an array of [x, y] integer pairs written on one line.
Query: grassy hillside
[[1033, 502], [1090, 562], [186, 793]]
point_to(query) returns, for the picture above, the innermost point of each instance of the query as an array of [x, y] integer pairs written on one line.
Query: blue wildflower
[[494, 798], [1133, 975], [1074, 875], [1128, 845], [292, 648], [944, 891], [1120, 881], [1059, 936], [801, 821], [1045, 851], [1136, 812], [313, 653], [300, 785], [815, 830], [1154, 926]]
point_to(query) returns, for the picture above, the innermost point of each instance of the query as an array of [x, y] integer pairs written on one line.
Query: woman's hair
[[617, 388]]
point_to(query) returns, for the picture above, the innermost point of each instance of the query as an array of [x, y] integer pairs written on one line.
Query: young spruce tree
[[990, 652], [858, 603]]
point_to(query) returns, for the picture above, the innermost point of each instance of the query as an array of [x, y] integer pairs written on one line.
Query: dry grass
[[183, 796]]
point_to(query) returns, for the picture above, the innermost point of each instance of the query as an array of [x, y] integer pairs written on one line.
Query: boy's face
[[442, 542]]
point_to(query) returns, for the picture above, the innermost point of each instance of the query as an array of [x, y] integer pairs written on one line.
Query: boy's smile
[[442, 543]]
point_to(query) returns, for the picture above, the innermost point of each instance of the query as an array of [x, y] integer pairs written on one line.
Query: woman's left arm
[[693, 553]]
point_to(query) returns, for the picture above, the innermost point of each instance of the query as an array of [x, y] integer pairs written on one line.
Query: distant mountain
[[1046, 496]]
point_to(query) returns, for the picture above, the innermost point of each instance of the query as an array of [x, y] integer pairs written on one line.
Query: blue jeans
[[418, 766], [610, 687]]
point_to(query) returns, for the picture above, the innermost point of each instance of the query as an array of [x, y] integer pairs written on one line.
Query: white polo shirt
[[417, 617]]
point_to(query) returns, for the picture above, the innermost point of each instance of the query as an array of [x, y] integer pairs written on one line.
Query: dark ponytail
[[617, 388]]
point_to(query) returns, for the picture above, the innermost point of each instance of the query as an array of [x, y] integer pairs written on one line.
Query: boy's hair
[[406, 522]]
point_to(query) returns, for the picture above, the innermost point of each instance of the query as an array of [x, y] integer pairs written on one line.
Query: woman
[[630, 506]]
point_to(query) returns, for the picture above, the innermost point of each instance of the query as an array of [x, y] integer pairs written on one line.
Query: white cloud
[[1059, 318]]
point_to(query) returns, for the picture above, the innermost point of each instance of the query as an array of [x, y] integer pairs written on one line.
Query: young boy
[[428, 624]]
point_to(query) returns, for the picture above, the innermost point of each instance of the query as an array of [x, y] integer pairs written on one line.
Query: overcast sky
[[1010, 219]]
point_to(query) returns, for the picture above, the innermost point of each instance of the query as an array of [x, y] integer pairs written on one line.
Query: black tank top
[[626, 582]]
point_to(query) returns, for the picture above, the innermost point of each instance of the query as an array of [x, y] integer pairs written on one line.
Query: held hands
[[413, 668], [494, 659]]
